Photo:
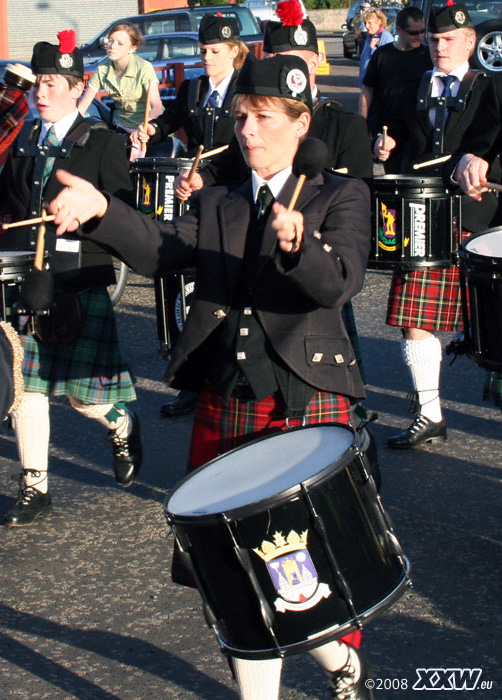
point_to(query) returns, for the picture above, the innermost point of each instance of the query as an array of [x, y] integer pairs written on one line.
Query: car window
[[182, 47], [168, 25], [149, 50]]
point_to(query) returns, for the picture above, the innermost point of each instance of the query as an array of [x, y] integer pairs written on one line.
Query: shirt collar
[[459, 72], [61, 127], [275, 184], [221, 89]]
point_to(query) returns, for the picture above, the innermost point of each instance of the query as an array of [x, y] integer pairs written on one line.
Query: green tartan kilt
[[91, 368]]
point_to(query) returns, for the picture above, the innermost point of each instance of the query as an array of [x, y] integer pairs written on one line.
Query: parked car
[[354, 35], [263, 11], [185, 19], [487, 18]]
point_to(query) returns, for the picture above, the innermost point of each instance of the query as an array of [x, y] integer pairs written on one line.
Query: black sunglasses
[[414, 32]]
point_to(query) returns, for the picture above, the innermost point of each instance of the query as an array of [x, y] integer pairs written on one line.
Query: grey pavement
[[88, 610]]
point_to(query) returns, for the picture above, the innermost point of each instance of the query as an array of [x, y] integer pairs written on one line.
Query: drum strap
[[443, 105], [197, 89]]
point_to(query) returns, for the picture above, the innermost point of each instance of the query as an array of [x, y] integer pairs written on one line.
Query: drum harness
[[443, 105], [197, 88]]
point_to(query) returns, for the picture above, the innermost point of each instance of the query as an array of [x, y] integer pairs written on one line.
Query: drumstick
[[194, 165], [493, 186], [214, 152], [147, 114], [28, 222], [384, 138], [39, 253], [308, 162], [441, 159], [342, 171]]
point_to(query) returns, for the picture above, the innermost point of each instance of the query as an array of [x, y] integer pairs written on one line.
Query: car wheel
[[346, 52], [488, 52]]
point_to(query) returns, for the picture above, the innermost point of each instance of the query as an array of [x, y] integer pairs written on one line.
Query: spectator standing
[[375, 22]]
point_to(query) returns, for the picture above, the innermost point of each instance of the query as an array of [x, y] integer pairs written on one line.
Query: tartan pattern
[[492, 390], [427, 299], [91, 369], [13, 109]]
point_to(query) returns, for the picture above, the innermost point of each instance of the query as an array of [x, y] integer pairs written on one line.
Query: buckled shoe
[[127, 453], [31, 505], [343, 685], [421, 430]]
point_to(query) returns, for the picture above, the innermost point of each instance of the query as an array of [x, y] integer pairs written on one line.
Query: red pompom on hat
[[290, 13], [67, 41], [450, 3]]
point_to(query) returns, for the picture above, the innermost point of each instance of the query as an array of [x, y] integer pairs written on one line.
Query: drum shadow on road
[[118, 648]]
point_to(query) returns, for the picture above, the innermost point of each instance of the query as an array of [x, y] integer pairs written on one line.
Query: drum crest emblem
[[292, 571], [387, 231]]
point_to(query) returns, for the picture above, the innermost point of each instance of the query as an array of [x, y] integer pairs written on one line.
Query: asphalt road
[[88, 610]]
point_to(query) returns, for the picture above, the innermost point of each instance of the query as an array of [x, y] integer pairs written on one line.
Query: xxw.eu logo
[[449, 679]]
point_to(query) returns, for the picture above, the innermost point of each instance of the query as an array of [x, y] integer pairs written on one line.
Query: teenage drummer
[[264, 341], [422, 302], [203, 105]]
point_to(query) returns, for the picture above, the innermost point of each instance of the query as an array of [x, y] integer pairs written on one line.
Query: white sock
[[258, 680], [32, 427], [98, 412], [336, 655], [423, 359]]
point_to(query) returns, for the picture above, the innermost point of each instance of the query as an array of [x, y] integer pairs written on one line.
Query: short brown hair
[[241, 56], [292, 108]]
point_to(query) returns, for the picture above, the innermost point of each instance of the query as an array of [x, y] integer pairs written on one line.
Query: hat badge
[[460, 17], [296, 81], [300, 37], [226, 32], [66, 61]]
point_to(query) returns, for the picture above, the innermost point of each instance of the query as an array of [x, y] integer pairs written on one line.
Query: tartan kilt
[[492, 390], [427, 299], [91, 368], [220, 427]]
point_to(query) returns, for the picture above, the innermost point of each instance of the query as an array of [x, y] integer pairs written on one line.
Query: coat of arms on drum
[[292, 571]]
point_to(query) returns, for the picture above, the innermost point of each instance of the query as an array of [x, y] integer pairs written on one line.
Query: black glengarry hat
[[293, 32], [446, 19], [65, 59], [280, 76], [215, 29]]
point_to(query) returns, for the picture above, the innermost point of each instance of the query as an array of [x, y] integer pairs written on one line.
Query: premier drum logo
[[417, 229], [292, 571]]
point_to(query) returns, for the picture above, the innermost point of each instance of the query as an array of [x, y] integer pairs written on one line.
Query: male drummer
[[433, 121], [264, 340], [89, 369]]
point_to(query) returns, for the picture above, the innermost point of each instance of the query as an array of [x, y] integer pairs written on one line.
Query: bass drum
[[288, 541]]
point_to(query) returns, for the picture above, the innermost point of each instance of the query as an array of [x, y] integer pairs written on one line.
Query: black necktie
[[264, 201]]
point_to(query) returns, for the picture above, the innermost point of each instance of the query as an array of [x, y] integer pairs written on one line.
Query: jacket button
[[338, 359], [317, 356], [219, 313]]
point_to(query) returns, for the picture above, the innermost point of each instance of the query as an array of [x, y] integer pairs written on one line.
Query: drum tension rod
[[340, 580], [245, 561]]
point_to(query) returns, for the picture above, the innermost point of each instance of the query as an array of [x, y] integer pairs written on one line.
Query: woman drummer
[[203, 105], [264, 342]]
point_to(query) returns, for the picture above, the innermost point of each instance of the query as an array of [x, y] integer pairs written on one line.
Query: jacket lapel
[[234, 214]]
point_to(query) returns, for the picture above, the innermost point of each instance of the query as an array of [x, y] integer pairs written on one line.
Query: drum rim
[[289, 494], [462, 249]]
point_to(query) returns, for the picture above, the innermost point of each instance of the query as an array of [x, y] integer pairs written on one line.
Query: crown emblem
[[281, 545]]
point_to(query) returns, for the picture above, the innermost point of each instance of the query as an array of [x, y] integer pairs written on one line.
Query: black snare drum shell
[[416, 223], [481, 285]]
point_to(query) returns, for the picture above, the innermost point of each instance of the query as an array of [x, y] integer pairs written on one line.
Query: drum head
[[260, 470], [488, 244]]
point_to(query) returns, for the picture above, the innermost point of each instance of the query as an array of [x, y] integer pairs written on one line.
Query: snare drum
[[288, 541], [416, 223], [14, 264], [154, 184], [481, 287]]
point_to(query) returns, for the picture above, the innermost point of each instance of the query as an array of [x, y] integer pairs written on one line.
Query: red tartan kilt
[[427, 299], [220, 427]]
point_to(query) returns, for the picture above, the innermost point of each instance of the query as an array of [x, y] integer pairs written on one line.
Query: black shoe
[[342, 683], [421, 430], [127, 453], [183, 403], [31, 504]]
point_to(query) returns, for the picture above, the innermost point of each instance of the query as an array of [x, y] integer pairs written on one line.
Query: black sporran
[[64, 322]]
